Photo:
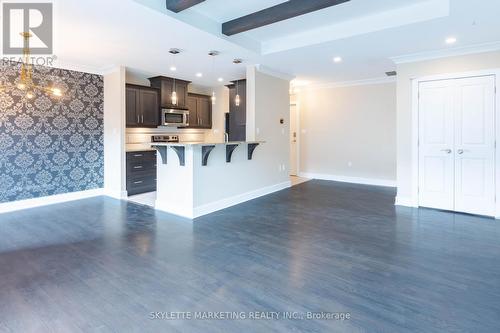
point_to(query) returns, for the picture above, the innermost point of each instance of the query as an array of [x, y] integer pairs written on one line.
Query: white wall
[[349, 133], [268, 101], [114, 133], [219, 110], [406, 72]]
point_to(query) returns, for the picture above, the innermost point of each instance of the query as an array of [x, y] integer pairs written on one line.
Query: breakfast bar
[[197, 178]]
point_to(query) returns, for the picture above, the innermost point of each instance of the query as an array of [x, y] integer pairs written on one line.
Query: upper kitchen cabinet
[[167, 86], [142, 106], [238, 113], [200, 111]]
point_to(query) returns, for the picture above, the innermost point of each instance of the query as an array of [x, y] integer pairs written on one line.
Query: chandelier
[[26, 79]]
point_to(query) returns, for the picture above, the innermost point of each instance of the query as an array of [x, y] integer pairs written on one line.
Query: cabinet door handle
[[142, 119], [138, 167], [138, 155], [138, 119], [138, 182]]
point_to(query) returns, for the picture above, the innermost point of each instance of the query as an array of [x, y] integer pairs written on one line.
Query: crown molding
[[84, 68], [272, 72], [453, 52], [366, 82]]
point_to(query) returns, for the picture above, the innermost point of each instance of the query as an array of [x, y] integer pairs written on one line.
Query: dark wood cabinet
[[149, 101], [142, 106], [141, 172], [237, 114], [193, 114], [166, 86], [131, 107], [200, 111]]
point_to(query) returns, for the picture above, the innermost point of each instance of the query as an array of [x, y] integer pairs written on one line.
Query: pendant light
[[213, 54], [26, 78], [237, 98], [173, 97]]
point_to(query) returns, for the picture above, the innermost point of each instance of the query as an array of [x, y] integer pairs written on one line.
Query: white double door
[[457, 145]]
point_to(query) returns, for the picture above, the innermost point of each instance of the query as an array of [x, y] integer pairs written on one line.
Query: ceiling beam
[[280, 12], [180, 5]]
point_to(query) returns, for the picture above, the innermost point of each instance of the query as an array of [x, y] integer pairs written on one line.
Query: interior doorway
[[294, 150]]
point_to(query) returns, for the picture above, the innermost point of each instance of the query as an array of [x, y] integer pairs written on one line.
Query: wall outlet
[[257, 130], [283, 131]]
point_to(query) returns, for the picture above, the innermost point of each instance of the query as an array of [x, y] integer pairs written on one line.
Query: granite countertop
[[135, 150], [159, 144]]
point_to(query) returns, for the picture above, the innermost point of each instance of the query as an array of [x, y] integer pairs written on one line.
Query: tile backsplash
[[140, 138]]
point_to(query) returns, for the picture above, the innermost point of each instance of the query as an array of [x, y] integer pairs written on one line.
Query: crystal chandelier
[[26, 79]]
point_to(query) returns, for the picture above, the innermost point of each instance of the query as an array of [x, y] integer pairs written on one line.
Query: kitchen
[[171, 119]]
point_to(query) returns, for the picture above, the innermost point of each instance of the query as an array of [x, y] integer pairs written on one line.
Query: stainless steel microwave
[[175, 117]]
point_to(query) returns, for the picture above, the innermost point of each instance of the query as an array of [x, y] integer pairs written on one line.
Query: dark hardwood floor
[[101, 265]]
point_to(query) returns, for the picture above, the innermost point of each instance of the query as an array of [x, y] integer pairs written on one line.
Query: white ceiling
[[365, 33]]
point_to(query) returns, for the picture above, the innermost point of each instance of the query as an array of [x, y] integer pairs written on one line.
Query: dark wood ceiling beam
[[180, 5], [280, 12]]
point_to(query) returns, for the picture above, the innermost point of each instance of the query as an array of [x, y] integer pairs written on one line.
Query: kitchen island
[[197, 178]]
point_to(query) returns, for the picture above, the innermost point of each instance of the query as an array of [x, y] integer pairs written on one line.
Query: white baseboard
[[237, 199], [50, 200], [120, 195], [176, 210], [347, 179], [405, 201]]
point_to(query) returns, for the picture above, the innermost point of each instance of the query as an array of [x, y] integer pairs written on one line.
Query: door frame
[[415, 127], [297, 127]]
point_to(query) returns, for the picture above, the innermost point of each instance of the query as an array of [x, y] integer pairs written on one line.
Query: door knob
[[447, 151], [460, 151]]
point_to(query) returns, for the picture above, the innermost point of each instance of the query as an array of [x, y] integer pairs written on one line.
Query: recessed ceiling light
[[337, 59], [199, 74], [451, 40], [220, 79], [173, 68]]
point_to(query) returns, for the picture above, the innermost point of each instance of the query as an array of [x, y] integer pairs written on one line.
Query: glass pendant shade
[[174, 98], [237, 98], [213, 98]]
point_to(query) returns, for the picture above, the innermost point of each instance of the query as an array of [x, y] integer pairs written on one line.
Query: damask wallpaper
[[51, 145]]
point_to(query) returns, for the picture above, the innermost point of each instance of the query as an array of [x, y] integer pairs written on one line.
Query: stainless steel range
[[165, 138]]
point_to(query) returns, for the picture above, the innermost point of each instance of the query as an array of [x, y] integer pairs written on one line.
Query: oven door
[[175, 118]]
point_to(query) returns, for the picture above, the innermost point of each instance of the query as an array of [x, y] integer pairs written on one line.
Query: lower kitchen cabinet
[[141, 172]]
